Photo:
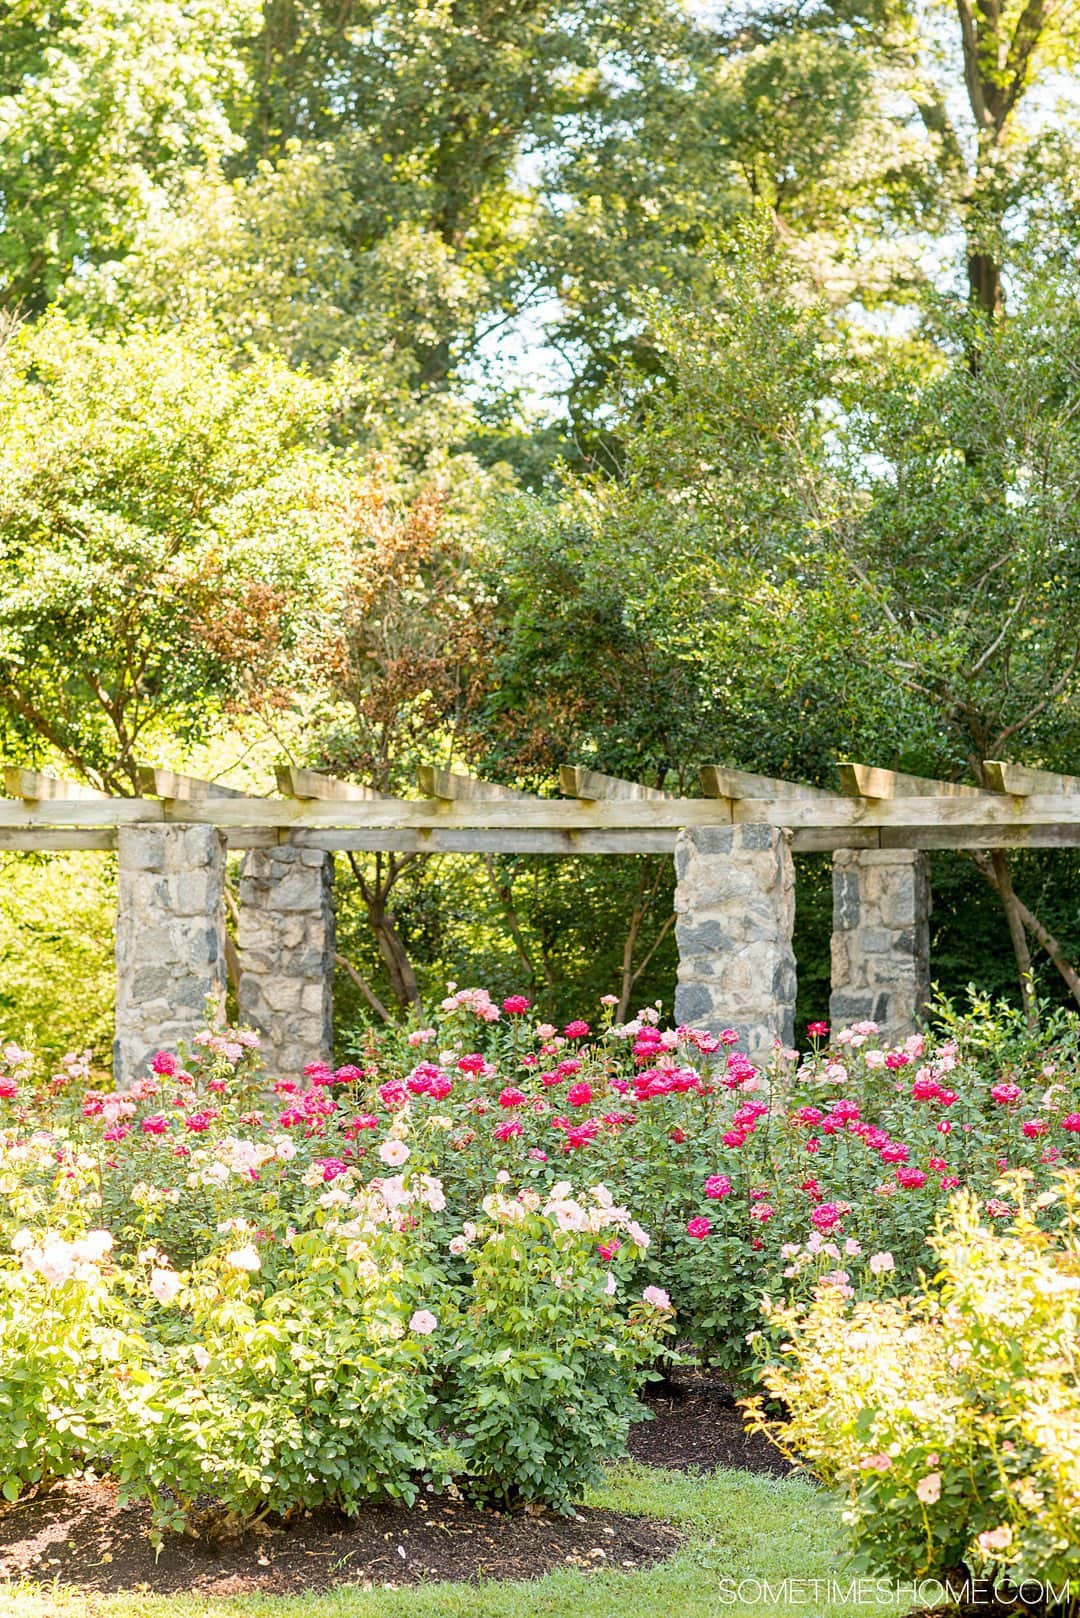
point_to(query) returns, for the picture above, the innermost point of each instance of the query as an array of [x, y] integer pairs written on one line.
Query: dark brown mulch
[[698, 1427], [78, 1534]]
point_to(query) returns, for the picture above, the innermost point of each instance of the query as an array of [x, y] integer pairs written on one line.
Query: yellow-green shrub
[[951, 1420]]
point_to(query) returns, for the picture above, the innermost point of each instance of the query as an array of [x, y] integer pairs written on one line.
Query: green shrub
[[52, 1297], [546, 1369]]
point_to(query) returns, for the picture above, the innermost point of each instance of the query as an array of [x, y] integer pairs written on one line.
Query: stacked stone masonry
[[170, 939], [285, 939], [881, 938], [735, 912]]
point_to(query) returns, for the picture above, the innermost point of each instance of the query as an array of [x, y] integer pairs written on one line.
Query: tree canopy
[[649, 383]]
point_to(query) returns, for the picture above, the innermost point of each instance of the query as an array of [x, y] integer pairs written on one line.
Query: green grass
[[739, 1527]]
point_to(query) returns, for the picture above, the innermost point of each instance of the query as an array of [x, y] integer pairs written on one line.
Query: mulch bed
[[697, 1427], [78, 1534]]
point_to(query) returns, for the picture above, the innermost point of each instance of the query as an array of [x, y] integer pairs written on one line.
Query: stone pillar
[[170, 939], [286, 947], [881, 938], [735, 910]]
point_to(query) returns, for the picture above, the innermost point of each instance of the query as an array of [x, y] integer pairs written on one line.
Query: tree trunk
[[394, 955], [999, 861], [1038, 932], [984, 283]]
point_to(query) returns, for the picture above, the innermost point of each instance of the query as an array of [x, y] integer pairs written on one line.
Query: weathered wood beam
[[867, 781], [549, 840], [82, 812], [56, 839], [34, 787], [1023, 782], [717, 781], [832, 813], [309, 784], [158, 783], [592, 785], [450, 788]]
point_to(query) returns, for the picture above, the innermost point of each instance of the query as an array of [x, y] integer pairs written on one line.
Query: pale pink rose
[[200, 1355], [992, 1540], [93, 1246], [928, 1488], [244, 1258], [423, 1322], [394, 1153], [657, 1297], [880, 1263], [164, 1284]]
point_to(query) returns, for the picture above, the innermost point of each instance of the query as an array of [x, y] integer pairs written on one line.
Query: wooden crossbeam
[[866, 781], [591, 786], [717, 781], [158, 783], [298, 783], [451, 788], [34, 787], [1023, 782]]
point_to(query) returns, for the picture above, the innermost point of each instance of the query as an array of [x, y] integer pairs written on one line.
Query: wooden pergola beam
[[1022, 782], [826, 813], [717, 781], [154, 782], [592, 786], [867, 781], [310, 785], [35, 787], [447, 787]]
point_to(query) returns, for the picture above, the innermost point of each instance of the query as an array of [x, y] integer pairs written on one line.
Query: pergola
[[734, 899]]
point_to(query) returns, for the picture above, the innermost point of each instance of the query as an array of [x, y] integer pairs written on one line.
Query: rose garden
[[539, 808], [454, 1262]]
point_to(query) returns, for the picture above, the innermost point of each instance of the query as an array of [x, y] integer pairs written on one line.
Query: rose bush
[[373, 1277], [950, 1421]]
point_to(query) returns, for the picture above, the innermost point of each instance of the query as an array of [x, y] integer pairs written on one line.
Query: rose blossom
[[393, 1153], [164, 1284], [244, 1258], [698, 1228], [657, 1297], [423, 1322]]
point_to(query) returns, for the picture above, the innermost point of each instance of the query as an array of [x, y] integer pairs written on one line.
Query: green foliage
[[948, 1421], [105, 104], [162, 514], [57, 969], [50, 1360]]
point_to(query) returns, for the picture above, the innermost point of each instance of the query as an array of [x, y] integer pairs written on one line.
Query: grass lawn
[[741, 1527]]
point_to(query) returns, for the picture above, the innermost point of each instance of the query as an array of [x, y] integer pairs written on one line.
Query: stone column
[[881, 938], [170, 939], [735, 910], [286, 947]]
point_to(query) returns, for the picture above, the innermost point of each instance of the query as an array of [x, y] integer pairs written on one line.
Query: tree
[[401, 673], [858, 548], [103, 105], [168, 529]]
